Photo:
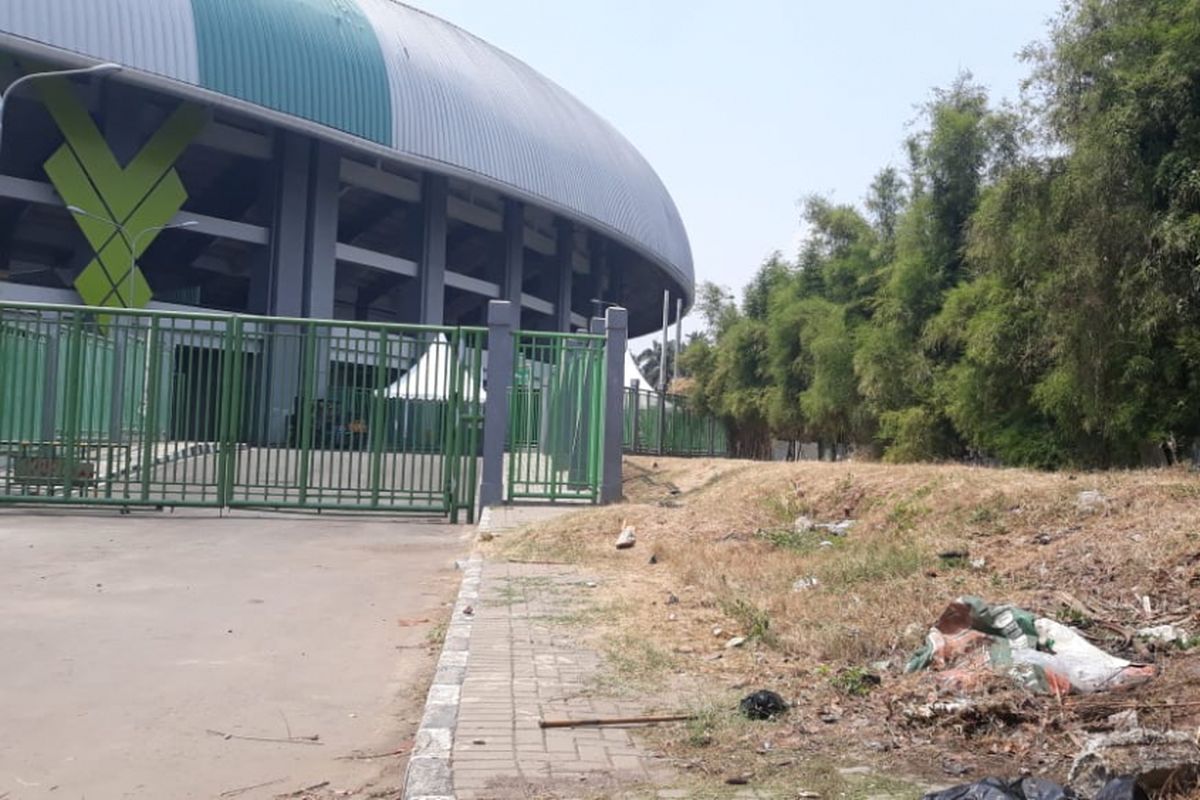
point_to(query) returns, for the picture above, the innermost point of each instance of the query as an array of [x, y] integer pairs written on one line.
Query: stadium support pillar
[[320, 264], [288, 239], [431, 271], [514, 255], [564, 258], [302, 269], [597, 273], [616, 330], [501, 323]]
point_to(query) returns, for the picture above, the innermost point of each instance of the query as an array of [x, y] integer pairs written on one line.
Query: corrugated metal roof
[[392, 75], [320, 61]]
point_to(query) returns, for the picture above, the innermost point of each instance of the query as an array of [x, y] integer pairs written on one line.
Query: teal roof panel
[[319, 60]]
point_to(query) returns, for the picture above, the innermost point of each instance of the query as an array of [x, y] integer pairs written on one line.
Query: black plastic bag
[[763, 704], [1122, 789], [999, 789]]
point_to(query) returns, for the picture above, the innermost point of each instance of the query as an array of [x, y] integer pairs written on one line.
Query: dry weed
[[816, 605]]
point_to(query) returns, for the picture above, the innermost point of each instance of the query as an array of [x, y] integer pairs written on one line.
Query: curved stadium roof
[[391, 77]]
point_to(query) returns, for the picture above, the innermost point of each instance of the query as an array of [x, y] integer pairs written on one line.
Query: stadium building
[[335, 159]]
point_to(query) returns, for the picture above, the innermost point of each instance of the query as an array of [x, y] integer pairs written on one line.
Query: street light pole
[[95, 69], [79, 212]]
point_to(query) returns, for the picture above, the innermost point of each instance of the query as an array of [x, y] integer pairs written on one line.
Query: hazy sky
[[745, 107]]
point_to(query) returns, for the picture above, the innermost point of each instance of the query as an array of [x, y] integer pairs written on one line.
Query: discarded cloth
[[972, 639]]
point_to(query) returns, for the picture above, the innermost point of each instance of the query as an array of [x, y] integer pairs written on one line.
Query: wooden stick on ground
[[313, 739], [581, 723]]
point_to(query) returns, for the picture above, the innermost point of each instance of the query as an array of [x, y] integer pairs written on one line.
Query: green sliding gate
[[177, 409], [556, 416]]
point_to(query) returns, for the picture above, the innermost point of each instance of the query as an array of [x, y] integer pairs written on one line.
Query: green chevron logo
[[127, 203]]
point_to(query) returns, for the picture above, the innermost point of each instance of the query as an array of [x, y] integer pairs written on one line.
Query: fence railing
[[556, 416], [664, 424], [137, 407]]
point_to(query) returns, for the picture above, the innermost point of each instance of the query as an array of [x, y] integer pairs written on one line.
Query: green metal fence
[[180, 409], [556, 416], [666, 425]]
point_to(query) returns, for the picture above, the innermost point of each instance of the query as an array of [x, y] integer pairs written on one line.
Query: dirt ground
[[829, 621], [184, 655]]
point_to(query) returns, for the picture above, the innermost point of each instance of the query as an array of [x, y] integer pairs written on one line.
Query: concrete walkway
[[187, 656]]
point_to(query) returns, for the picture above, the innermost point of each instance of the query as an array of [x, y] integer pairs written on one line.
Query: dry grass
[[723, 536]]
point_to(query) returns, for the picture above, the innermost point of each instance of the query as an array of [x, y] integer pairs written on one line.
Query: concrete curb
[[429, 776]]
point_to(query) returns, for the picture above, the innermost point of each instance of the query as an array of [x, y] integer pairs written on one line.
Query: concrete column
[[597, 274], [288, 240], [320, 261], [431, 271], [564, 256], [501, 323], [514, 255], [291, 286], [617, 330]]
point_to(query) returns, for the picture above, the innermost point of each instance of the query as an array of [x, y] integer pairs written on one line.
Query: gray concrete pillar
[[564, 257], [431, 271], [302, 272], [617, 330], [285, 291], [320, 259], [501, 324], [514, 255], [597, 272]]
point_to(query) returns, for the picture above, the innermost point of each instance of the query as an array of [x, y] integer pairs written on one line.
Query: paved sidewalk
[[524, 665]]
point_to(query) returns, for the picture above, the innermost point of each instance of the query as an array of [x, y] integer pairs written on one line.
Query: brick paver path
[[525, 665]]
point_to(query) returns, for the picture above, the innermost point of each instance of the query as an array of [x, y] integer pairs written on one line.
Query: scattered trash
[[737, 780], [763, 704], [943, 708], [653, 558], [1163, 634], [1091, 501], [718, 631], [954, 557], [672, 599], [830, 715], [972, 638], [591, 584], [1154, 758], [671, 617], [469, 611], [826, 543], [804, 524], [978, 563], [1126, 720], [736, 641], [839, 528], [1000, 789], [1126, 788], [627, 538], [804, 584]]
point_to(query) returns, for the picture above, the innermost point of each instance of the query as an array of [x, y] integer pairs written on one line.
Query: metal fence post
[[500, 320], [637, 407], [617, 330]]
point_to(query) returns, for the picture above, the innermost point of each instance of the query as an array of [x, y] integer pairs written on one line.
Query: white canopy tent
[[634, 373], [429, 378]]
